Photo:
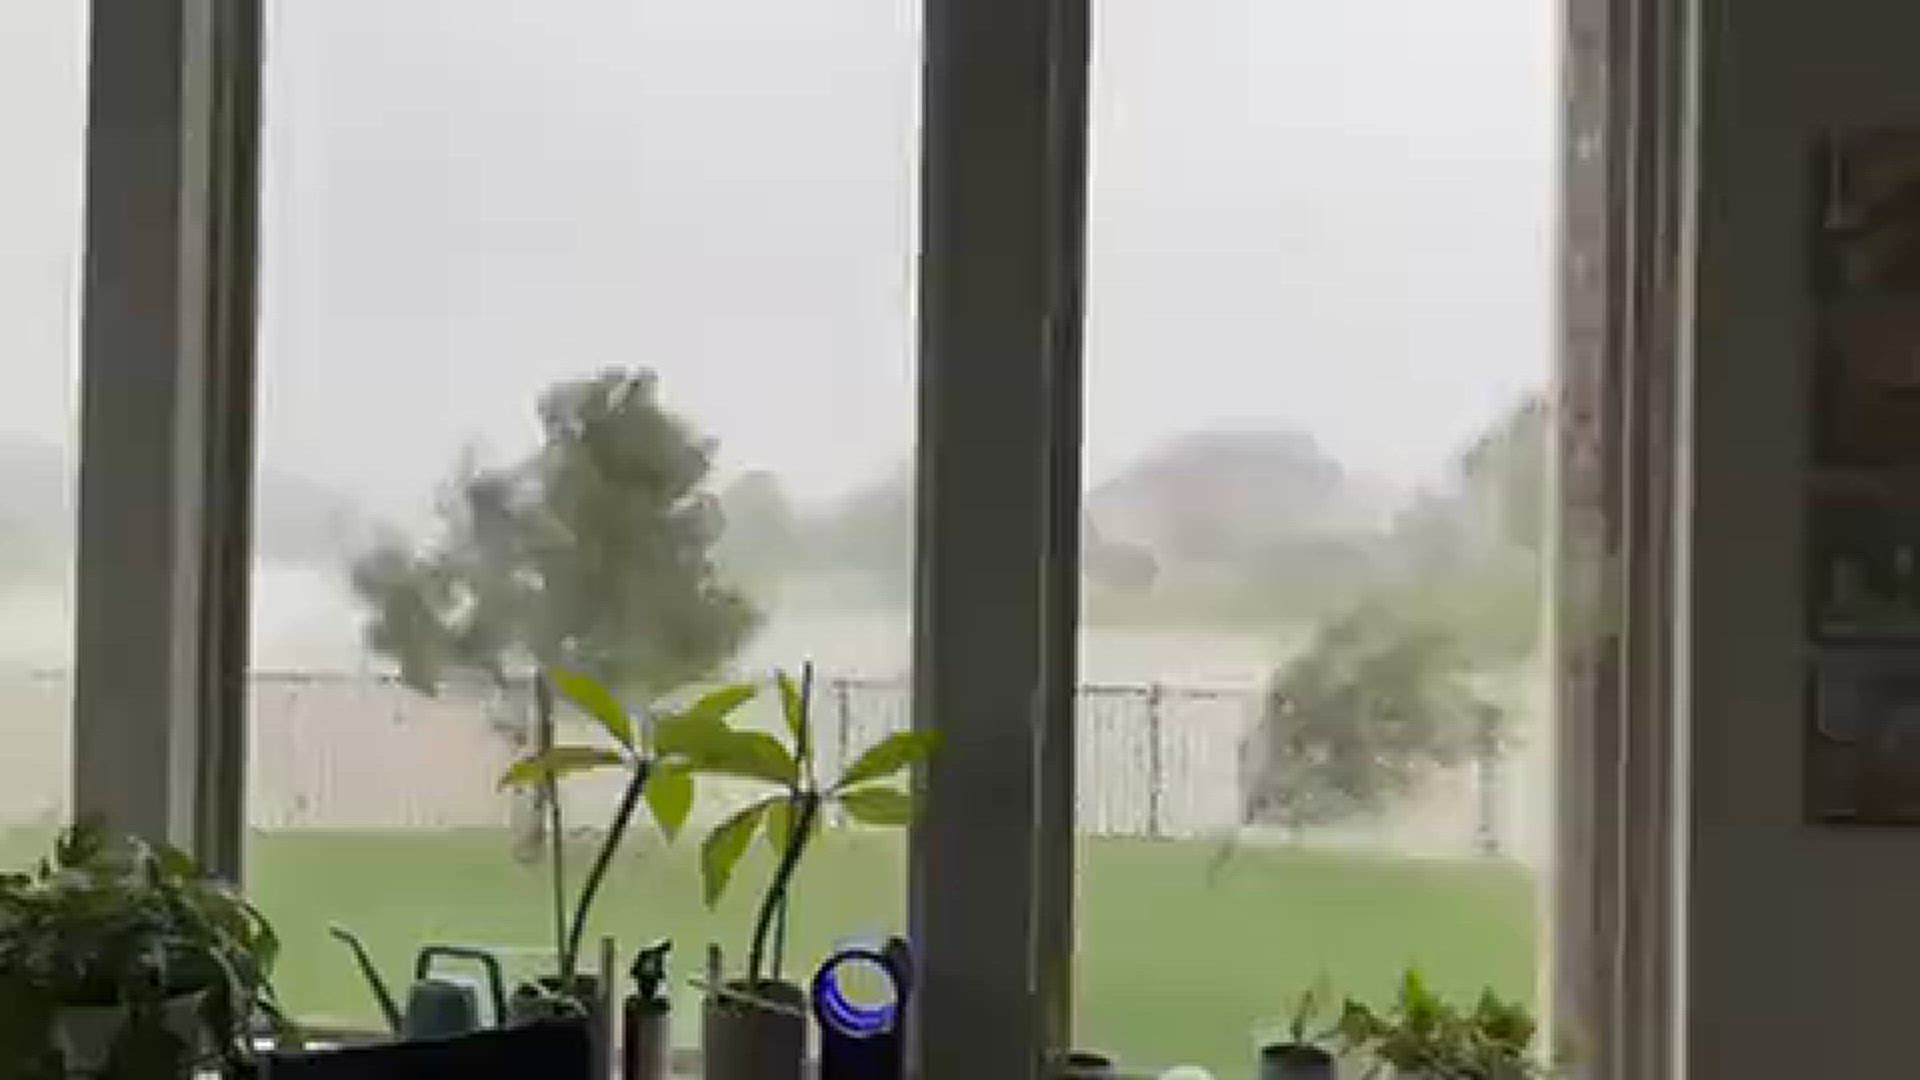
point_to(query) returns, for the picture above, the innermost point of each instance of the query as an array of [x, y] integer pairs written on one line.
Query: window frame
[[167, 459], [1616, 969], [166, 453]]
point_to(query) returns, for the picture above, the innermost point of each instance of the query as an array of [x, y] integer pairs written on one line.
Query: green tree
[[1379, 697], [593, 554]]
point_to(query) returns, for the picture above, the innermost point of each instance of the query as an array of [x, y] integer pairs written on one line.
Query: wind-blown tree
[[594, 554], [1381, 694], [1379, 698]]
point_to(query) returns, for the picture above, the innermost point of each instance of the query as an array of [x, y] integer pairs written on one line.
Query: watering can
[[438, 1007]]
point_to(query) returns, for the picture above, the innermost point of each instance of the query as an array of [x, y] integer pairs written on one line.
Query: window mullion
[[997, 528], [165, 454]]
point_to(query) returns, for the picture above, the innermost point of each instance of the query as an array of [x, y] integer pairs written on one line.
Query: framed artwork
[[1862, 561], [1863, 744], [1864, 523]]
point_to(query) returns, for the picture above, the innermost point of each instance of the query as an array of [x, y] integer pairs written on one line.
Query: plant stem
[[550, 791], [782, 880], [622, 819], [780, 937]]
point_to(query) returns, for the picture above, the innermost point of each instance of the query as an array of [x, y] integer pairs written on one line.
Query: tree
[[594, 554], [1381, 694], [1378, 698]]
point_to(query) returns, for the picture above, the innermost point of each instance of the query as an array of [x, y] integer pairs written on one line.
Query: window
[[1313, 723], [468, 205], [42, 100], [688, 225]]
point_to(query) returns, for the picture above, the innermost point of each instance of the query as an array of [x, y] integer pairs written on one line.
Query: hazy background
[[1322, 220]]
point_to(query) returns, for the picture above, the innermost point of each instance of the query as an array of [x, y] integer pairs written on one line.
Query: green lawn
[[1180, 960]]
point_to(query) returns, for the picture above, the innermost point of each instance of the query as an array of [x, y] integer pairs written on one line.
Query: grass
[[1182, 957]]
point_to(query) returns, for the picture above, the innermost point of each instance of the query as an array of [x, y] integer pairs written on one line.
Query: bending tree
[[593, 554], [1379, 697]]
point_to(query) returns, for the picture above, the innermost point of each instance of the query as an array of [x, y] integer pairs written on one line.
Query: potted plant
[[755, 1027], [1300, 1056], [120, 958], [1426, 1038], [655, 772]]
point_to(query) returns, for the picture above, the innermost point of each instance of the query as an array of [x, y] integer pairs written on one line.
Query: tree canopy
[[1379, 697], [594, 553]]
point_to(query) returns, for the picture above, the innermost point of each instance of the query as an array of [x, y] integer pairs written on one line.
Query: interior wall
[[1804, 941]]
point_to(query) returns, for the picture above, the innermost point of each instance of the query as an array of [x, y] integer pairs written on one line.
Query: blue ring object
[[835, 1011]]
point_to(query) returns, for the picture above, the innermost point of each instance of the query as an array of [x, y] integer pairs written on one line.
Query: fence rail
[[362, 751]]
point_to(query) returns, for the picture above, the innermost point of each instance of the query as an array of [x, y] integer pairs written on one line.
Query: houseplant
[[1299, 1056], [123, 959], [755, 1027], [1424, 1037], [655, 772]]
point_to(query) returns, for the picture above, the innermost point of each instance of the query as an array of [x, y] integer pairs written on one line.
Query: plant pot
[[1086, 1065], [1295, 1061], [744, 1041], [528, 1004], [86, 1035]]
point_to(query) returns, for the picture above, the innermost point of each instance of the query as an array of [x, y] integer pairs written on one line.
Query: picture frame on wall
[[1862, 553]]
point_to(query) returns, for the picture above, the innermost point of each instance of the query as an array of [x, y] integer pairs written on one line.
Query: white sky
[[1325, 214]]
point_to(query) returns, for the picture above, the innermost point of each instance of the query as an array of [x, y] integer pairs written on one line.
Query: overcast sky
[[1325, 214]]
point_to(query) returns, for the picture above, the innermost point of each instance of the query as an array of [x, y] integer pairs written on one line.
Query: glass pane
[[587, 332], [1312, 739], [42, 111]]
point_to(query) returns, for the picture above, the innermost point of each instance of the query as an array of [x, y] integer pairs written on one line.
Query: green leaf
[[715, 707], [794, 704], [878, 806], [596, 701], [725, 844], [682, 733], [752, 755], [670, 795], [889, 756], [779, 825], [780, 821], [558, 762]]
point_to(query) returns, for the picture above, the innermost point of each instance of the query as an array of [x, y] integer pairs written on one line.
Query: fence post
[[1156, 764], [843, 702], [1487, 832]]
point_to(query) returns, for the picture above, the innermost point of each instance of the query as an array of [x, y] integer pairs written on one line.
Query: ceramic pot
[[86, 1035], [744, 1041], [1295, 1061]]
